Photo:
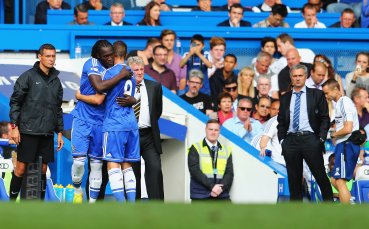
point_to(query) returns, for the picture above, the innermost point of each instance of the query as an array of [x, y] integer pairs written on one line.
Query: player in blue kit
[[88, 118], [121, 137]]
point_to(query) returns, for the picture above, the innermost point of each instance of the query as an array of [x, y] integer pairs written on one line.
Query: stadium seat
[[3, 194], [283, 190], [361, 191]]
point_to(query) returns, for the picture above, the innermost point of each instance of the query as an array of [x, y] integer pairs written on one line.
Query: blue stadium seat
[[3, 194], [360, 191]]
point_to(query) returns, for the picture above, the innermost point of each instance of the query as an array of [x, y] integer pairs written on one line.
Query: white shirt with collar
[[144, 118], [311, 84], [114, 24], [211, 144], [304, 124], [303, 25]]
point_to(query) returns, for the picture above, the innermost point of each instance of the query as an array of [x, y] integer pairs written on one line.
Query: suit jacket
[[317, 112], [155, 98], [242, 23], [124, 23], [338, 25]]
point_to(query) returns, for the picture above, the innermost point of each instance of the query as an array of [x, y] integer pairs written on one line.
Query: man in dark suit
[[303, 123], [235, 17], [148, 110], [347, 20], [117, 14]]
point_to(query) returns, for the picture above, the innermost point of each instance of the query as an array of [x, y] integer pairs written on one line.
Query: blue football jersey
[[118, 118], [84, 111]]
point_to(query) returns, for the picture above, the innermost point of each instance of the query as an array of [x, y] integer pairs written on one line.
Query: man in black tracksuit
[[35, 114]]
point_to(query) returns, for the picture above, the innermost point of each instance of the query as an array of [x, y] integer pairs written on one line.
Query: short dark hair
[[197, 37], [265, 40], [96, 48], [331, 84], [356, 92], [348, 11], [229, 81], [159, 47], [223, 95], [166, 32], [120, 49], [284, 37], [232, 56], [308, 6], [80, 8], [236, 5], [151, 41], [4, 128], [212, 121], [45, 46], [280, 9]]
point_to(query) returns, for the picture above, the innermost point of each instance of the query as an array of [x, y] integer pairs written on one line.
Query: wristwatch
[[353, 81]]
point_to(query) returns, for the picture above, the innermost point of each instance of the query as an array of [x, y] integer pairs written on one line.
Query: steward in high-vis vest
[[210, 165]]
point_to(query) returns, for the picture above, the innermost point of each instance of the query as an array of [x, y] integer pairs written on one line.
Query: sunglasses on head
[[229, 89], [245, 108]]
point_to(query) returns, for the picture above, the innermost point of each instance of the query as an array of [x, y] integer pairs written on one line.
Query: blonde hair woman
[[245, 82]]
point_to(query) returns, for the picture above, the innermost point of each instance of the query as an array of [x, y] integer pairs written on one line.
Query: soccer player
[[87, 123]]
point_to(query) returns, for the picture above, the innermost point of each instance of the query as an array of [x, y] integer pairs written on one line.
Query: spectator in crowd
[[168, 38], [338, 7], [360, 98], [284, 79], [36, 114], [159, 71], [263, 89], [227, 7], [346, 120], [215, 56], [152, 15], [317, 76], [275, 19], [262, 113], [200, 101], [303, 124], [246, 82], [225, 101], [163, 5], [331, 74], [310, 18], [284, 43], [6, 133], [267, 6], [365, 14], [205, 183], [203, 5], [269, 45], [262, 64], [42, 7], [347, 20], [360, 76], [242, 124], [235, 17], [117, 14], [80, 16], [274, 107], [146, 54], [230, 86], [94, 5], [195, 59], [222, 74], [318, 4]]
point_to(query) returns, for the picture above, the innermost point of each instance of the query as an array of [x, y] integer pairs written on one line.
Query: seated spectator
[[222, 74], [230, 86], [117, 14], [360, 98], [284, 43], [246, 82], [225, 102], [310, 19], [274, 108], [6, 133], [317, 76], [263, 90], [347, 20], [262, 113], [360, 76], [147, 53], [215, 56], [227, 6], [269, 45], [203, 5], [94, 5], [242, 124], [152, 15], [195, 59], [163, 5], [338, 7], [42, 7], [80, 16], [261, 66], [200, 101], [331, 74], [365, 15], [318, 4], [168, 38], [275, 19], [267, 6], [159, 71], [235, 17], [284, 80]]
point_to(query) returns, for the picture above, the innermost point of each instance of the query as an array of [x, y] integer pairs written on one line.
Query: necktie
[[316, 86], [137, 106], [213, 148], [296, 112]]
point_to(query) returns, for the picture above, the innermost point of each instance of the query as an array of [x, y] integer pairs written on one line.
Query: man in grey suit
[[148, 110]]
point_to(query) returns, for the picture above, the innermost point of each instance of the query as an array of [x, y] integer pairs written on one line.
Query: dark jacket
[[338, 25], [242, 23], [35, 105], [124, 23], [41, 11], [317, 113], [201, 185]]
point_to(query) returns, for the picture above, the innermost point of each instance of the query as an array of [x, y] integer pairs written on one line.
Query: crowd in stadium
[[246, 102]]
